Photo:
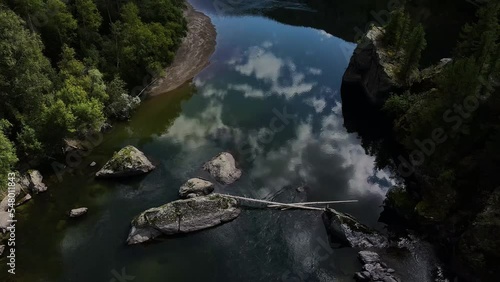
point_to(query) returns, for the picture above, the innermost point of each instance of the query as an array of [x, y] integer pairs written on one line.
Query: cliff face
[[373, 68]]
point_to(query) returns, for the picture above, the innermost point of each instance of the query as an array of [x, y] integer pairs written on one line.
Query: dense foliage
[[462, 108], [407, 40], [66, 67]]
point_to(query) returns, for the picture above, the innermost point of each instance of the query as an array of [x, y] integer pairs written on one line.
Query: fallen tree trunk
[[303, 206], [320, 203]]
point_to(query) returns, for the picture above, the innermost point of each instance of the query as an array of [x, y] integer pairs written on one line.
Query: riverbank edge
[[200, 40], [192, 56]]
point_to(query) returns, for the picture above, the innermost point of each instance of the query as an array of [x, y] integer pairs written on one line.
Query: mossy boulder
[[183, 216], [129, 161]]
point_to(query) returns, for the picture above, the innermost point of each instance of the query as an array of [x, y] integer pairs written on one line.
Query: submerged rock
[[374, 269], [195, 187], [344, 230], [78, 212], [129, 161], [223, 168], [183, 216]]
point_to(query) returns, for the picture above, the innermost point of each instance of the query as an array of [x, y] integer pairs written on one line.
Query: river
[[271, 97]]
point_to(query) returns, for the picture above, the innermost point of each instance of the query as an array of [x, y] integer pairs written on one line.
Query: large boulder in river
[[195, 187], [183, 216], [373, 67], [129, 161], [344, 230], [223, 168]]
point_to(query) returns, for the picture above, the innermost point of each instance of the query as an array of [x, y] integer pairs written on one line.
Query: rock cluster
[[199, 209], [129, 161], [374, 269], [27, 184]]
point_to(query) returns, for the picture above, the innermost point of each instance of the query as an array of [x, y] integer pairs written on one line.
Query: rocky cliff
[[373, 67]]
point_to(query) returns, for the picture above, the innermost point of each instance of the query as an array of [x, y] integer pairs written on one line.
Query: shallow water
[[271, 97]]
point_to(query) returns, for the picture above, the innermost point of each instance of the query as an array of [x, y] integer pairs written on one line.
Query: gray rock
[[368, 257], [78, 212], [223, 168], [362, 276], [195, 187], [4, 220], [344, 230], [35, 182], [2, 249], [129, 161], [92, 164], [20, 193], [374, 269], [183, 216]]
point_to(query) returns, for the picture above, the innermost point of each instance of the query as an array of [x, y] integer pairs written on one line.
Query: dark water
[[271, 97]]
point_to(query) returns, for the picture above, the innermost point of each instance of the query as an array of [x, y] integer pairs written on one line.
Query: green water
[[271, 97]]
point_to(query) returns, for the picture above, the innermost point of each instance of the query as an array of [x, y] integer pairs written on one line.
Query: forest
[[449, 131], [68, 66], [463, 104]]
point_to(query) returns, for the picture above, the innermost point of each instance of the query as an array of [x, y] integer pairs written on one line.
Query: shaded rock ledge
[[372, 67], [345, 231], [129, 161], [183, 216]]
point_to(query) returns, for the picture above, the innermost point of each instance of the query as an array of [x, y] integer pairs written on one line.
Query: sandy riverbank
[[192, 56]]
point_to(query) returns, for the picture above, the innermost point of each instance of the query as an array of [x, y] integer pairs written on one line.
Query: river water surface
[[271, 97]]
